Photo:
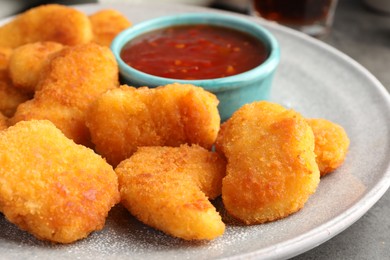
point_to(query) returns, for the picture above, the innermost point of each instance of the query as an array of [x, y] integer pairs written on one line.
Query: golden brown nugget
[[168, 188], [51, 22], [271, 170], [106, 24], [75, 77], [26, 63], [10, 97], [5, 54], [331, 144], [51, 187], [123, 119], [3, 122]]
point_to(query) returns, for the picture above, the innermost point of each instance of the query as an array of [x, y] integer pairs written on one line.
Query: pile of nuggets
[[74, 142]]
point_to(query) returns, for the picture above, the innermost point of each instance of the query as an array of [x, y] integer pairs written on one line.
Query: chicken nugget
[[3, 122], [168, 188], [5, 54], [27, 61], [271, 167], [331, 144], [50, 22], [74, 78], [123, 119], [51, 187], [10, 97], [106, 24]]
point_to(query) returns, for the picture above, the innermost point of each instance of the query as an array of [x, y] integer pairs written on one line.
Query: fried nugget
[[10, 97], [27, 62], [331, 144], [271, 170], [3, 122], [106, 24], [5, 54], [168, 188], [51, 187], [123, 119], [51, 22], [75, 77]]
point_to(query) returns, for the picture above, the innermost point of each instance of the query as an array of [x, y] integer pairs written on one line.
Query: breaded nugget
[[271, 170], [168, 188], [75, 77], [51, 187], [27, 61], [123, 119], [106, 24], [51, 22], [5, 54], [10, 97], [331, 144], [3, 122]]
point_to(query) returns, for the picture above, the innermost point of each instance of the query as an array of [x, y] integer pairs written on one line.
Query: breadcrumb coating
[[271, 170], [331, 144], [27, 62], [106, 24], [168, 188], [50, 186], [75, 77], [50, 22], [126, 118], [10, 97], [3, 122]]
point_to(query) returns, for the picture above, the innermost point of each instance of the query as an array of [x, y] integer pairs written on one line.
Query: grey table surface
[[364, 35]]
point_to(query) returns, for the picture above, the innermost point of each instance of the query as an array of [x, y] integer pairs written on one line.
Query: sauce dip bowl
[[232, 91]]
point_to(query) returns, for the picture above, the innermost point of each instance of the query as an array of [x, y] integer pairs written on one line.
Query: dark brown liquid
[[292, 12]]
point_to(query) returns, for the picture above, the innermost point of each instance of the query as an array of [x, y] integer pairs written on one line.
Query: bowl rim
[[256, 30]]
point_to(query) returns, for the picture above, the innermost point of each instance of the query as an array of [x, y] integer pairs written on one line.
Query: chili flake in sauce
[[193, 52]]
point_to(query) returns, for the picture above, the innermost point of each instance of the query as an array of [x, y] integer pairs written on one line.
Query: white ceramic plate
[[314, 79]]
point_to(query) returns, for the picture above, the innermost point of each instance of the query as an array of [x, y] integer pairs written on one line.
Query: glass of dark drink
[[313, 17]]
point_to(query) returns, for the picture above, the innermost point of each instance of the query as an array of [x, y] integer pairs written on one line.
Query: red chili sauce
[[193, 52]]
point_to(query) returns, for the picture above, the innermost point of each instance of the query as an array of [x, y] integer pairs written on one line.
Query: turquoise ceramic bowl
[[233, 91]]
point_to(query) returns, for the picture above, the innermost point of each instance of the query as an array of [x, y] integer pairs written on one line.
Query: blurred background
[[10, 7]]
